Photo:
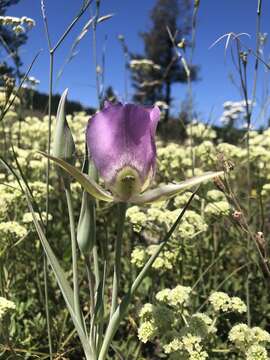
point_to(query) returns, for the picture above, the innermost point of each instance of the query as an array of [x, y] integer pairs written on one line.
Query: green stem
[[101, 324], [118, 250], [258, 30], [70, 27], [49, 137], [95, 54], [122, 307], [74, 256], [96, 267], [45, 267], [93, 329], [90, 278], [47, 311]]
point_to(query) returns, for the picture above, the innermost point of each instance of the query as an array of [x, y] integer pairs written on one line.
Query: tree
[[154, 82], [109, 95], [10, 42]]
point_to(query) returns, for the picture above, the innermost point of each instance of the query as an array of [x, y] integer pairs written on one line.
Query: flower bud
[[86, 231], [63, 144], [237, 215]]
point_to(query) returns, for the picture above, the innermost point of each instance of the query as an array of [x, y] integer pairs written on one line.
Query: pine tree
[[154, 82]]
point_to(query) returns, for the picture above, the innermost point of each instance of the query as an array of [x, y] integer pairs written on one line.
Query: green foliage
[[205, 250]]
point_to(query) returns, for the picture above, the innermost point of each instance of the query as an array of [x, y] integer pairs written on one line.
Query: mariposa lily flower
[[120, 140]]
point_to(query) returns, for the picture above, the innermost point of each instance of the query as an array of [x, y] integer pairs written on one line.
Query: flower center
[[127, 183]]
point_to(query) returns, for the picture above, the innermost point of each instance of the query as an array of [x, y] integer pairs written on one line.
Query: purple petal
[[122, 136]]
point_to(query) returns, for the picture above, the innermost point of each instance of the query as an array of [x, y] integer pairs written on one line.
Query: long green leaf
[[86, 182], [60, 277], [166, 191]]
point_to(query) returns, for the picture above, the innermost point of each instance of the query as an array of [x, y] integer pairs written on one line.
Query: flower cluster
[[217, 208], [11, 229], [154, 222], [256, 352], [190, 345], [6, 306], [177, 296], [165, 261], [181, 334], [162, 218], [18, 25], [199, 131], [28, 217], [143, 63], [250, 341], [222, 302], [233, 111]]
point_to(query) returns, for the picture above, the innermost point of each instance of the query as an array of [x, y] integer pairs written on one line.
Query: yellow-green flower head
[[147, 331], [224, 303], [175, 297], [218, 208], [265, 190], [28, 217], [173, 346], [166, 259], [3, 208], [259, 335], [163, 295], [256, 352], [192, 344], [237, 305], [147, 312], [137, 217], [138, 256], [215, 195], [12, 230], [198, 130], [231, 151], [181, 200], [243, 336], [5, 307], [239, 334], [179, 295]]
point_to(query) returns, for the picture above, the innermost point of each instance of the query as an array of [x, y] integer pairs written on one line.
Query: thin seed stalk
[[47, 311]]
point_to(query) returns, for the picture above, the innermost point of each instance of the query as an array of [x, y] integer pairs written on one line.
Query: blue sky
[[215, 18]]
